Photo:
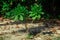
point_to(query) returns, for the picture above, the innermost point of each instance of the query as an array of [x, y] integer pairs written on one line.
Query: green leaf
[[42, 13], [32, 14], [38, 17], [34, 17], [23, 0], [16, 18], [21, 18]]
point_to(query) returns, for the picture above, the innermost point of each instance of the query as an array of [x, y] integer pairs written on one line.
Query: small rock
[[58, 31], [38, 38]]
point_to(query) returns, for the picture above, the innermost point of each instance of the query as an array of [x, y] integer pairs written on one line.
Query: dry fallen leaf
[[17, 26], [49, 38], [53, 30], [1, 18]]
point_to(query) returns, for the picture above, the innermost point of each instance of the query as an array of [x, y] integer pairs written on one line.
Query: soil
[[10, 30]]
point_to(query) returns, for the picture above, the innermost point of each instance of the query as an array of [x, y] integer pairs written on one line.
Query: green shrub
[[36, 11], [18, 13], [16, 9]]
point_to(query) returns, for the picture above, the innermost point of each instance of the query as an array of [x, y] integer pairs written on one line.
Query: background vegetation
[[34, 9]]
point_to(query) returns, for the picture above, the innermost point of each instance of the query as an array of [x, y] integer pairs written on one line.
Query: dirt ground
[[12, 32]]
